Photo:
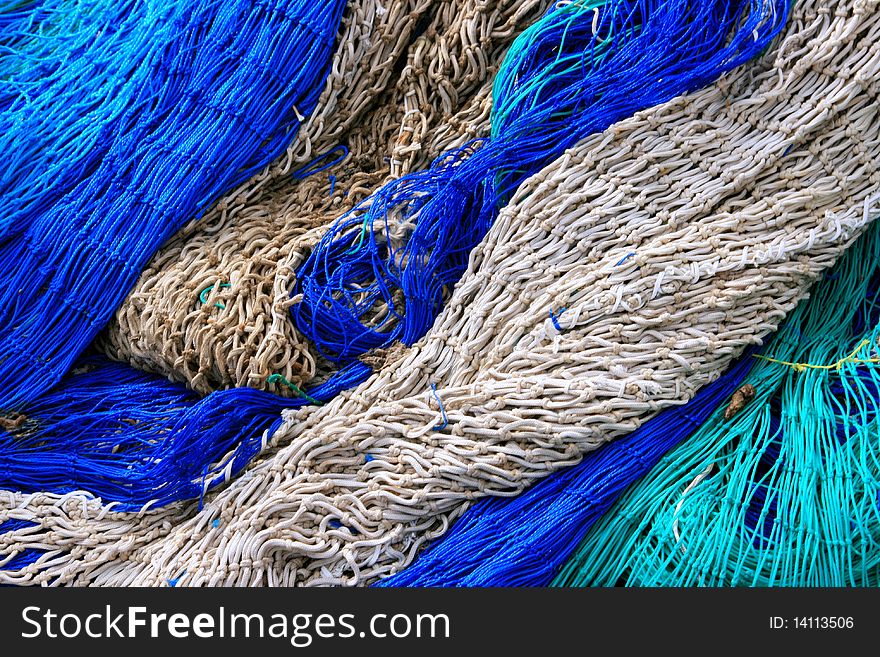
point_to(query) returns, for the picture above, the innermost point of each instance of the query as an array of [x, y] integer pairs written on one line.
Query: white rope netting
[[619, 280]]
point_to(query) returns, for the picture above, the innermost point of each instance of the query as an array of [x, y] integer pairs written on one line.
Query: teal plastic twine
[[785, 493], [278, 378], [203, 297]]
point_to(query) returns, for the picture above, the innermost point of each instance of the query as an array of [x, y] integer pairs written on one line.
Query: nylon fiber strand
[[364, 286], [785, 493]]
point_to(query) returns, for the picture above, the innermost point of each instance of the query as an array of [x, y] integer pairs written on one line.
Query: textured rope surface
[[784, 494], [524, 540], [564, 79], [112, 440], [665, 242]]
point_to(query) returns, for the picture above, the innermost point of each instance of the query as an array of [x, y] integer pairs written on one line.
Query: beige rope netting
[[251, 243], [673, 240]]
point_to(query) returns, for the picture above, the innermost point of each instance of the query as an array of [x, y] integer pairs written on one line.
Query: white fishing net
[[619, 280]]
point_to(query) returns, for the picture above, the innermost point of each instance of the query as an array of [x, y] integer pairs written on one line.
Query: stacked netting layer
[[607, 235], [784, 506]]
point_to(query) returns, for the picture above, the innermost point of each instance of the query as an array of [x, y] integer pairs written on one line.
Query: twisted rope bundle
[[564, 79], [147, 443], [524, 540], [528, 540]]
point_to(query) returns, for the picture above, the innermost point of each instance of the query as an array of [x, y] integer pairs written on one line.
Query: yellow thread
[[800, 367]]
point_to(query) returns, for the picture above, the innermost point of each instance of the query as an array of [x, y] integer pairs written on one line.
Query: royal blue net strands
[[138, 440], [120, 121], [565, 78]]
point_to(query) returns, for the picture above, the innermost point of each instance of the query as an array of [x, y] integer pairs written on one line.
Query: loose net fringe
[[621, 278]]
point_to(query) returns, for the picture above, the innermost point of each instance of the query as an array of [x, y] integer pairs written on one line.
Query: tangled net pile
[[248, 247], [607, 247], [788, 490]]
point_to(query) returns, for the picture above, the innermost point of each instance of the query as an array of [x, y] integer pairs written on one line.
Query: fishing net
[[784, 493], [135, 440], [126, 120], [409, 81], [626, 274], [740, 500]]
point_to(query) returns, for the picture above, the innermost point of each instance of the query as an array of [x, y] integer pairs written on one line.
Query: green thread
[[360, 242], [203, 297], [274, 378]]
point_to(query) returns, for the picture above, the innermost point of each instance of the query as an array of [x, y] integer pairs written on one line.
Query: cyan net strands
[[381, 272], [120, 122], [524, 540], [653, 50], [786, 492]]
